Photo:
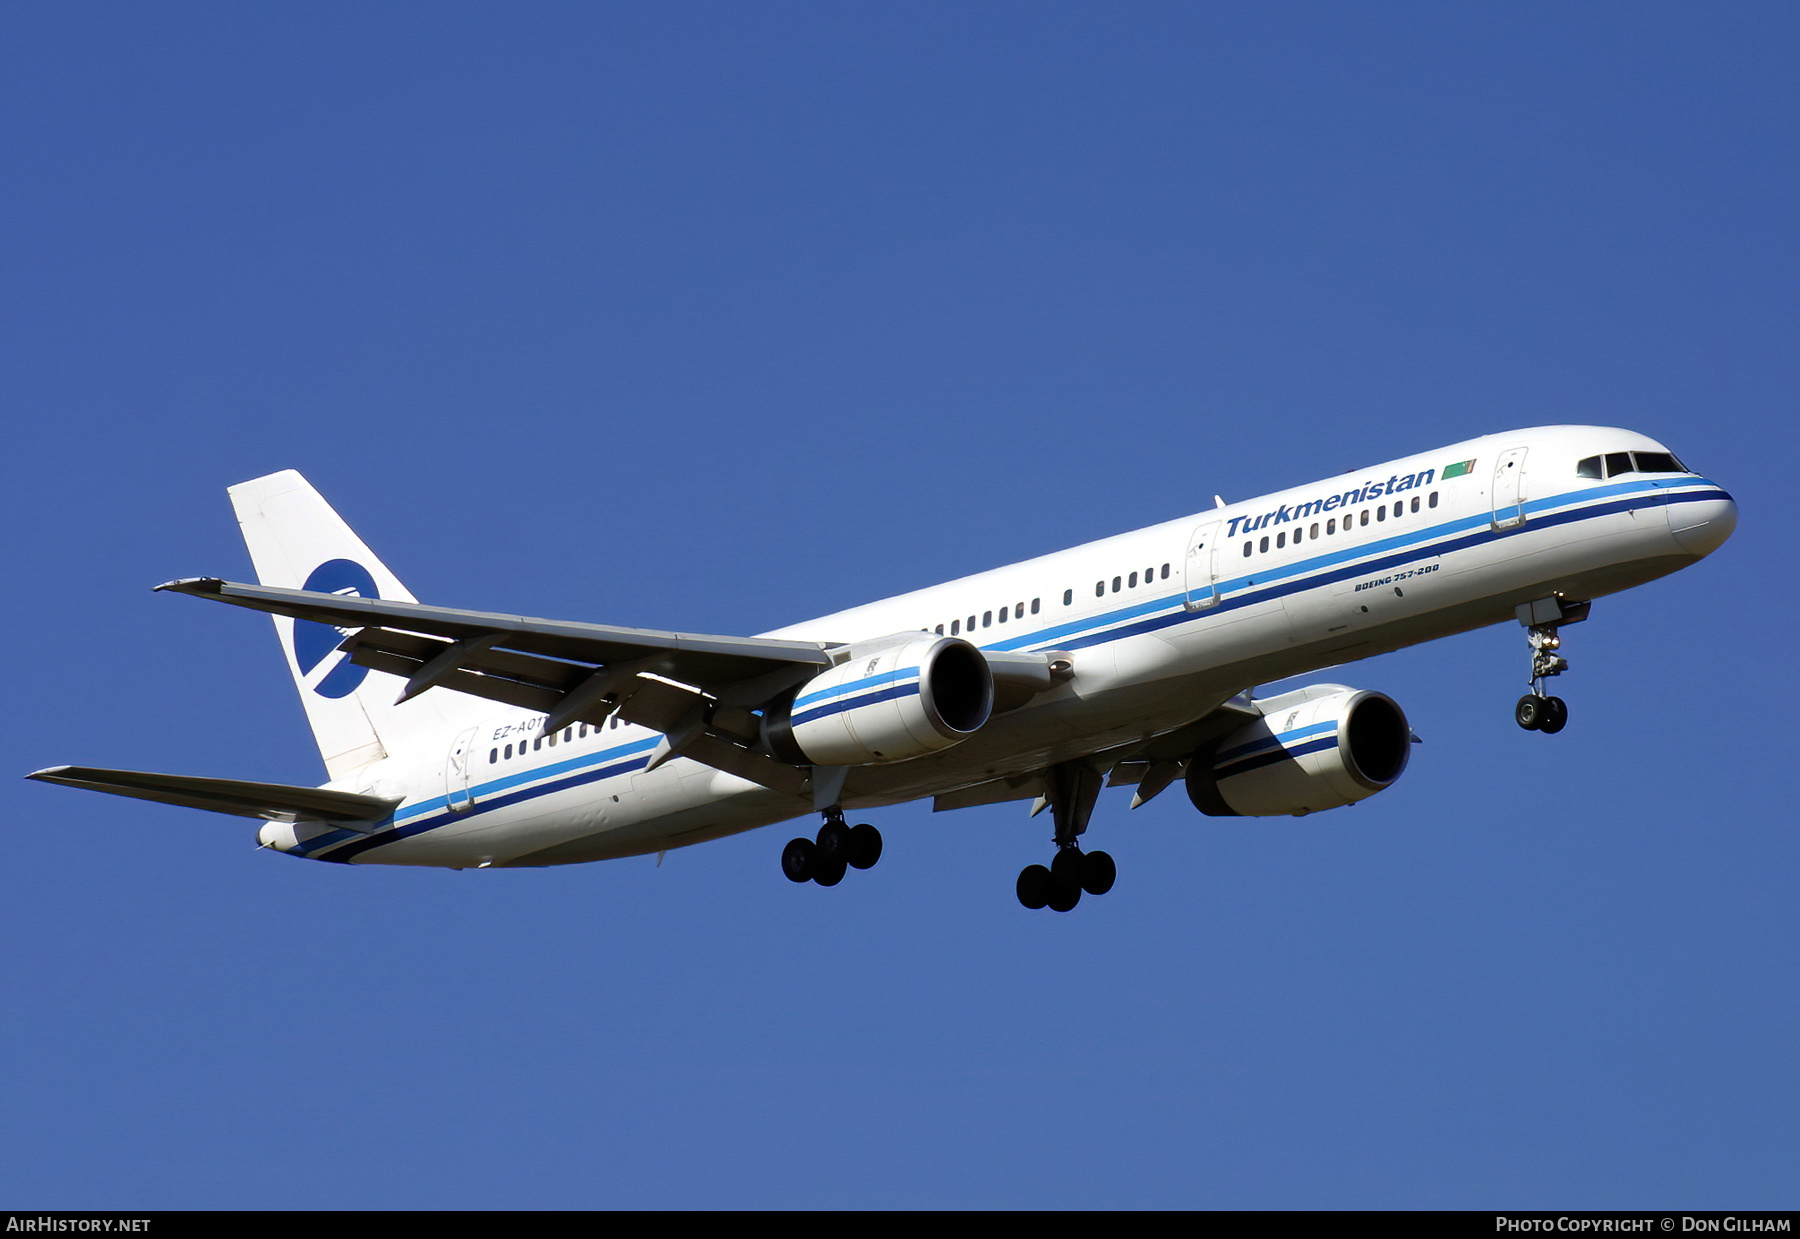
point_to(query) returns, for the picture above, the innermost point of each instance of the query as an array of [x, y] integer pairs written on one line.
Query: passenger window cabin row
[[1100, 586], [1301, 533], [1017, 609], [1014, 610], [568, 735]]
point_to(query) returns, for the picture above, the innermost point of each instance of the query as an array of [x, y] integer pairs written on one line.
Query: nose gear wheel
[[1537, 710]]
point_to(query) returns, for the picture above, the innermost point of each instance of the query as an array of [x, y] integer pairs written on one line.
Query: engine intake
[[888, 702], [1318, 748]]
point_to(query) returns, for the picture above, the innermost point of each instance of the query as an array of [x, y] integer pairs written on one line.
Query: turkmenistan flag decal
[[1456, 470]]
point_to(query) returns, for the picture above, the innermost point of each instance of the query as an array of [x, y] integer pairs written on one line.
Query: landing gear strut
[[1537, 711], [837, 848], [1072, 787]]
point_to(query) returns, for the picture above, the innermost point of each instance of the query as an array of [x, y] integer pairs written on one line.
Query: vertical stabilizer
[[297, 541]]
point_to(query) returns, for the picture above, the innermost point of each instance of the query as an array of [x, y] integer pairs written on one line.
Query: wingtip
[[191, 585], [47, 773]]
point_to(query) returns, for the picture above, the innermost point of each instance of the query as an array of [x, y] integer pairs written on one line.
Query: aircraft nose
[[1701, 526]]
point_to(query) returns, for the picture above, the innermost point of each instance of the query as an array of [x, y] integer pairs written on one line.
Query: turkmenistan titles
[[1363, 494]]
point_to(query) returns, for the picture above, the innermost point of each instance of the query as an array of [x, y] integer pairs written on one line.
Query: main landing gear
[[1072, 790], [1536, 710], [837, 848], [1059, 887]]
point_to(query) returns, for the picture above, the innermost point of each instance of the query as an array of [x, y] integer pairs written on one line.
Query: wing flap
[[511, 679], [419, 651], [711, 749], [507, 692], [1150, 765], [994, 791]]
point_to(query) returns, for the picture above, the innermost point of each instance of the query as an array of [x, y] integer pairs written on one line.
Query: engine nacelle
[[890, 702], [1318, 748]]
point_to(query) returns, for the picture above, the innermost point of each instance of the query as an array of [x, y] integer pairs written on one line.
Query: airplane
[[465, 739]]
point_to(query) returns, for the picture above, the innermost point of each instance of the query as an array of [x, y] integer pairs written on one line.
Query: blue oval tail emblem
[[314, 643]]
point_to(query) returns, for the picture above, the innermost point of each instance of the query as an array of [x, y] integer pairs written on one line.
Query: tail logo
[[316, 645]]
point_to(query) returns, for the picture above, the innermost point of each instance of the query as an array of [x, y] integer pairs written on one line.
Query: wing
[[697, 690], [1151, 765], [272, 801]]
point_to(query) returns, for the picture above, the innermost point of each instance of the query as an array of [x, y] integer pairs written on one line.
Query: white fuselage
[[1161, 625]]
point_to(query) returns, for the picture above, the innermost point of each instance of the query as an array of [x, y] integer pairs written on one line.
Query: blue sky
[[717, 317]]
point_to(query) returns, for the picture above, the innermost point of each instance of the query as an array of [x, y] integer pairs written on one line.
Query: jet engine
[[890, 701], [1317, 748]]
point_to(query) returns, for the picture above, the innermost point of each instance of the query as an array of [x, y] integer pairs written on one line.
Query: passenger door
[[1201, 569], [458, 767], [1509, 492]]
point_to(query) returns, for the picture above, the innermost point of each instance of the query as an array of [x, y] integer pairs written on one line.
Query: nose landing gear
[[1538, 711]]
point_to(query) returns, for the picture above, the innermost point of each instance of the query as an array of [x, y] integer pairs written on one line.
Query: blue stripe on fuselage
[[423, 815], [1300, 575]]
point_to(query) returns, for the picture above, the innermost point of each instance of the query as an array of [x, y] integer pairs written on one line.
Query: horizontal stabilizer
[[276, 802]]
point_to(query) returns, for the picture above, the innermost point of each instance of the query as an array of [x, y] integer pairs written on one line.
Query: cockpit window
[[1589, 468], [1632, 462]]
